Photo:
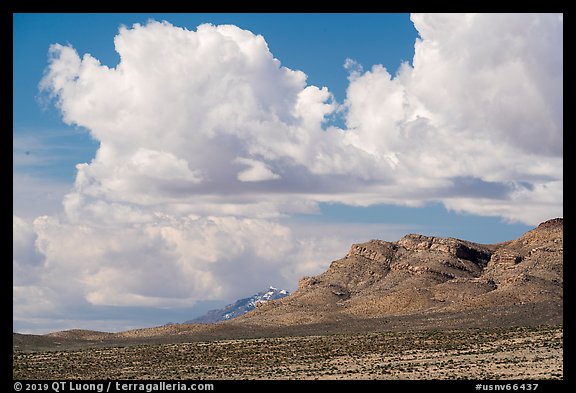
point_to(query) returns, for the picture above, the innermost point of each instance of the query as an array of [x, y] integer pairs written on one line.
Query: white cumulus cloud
[[478, 117]]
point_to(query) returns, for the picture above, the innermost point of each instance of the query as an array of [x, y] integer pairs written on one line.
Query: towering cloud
[[477, 121]]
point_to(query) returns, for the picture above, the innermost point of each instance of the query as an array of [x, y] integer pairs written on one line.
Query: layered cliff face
[[422, 275]]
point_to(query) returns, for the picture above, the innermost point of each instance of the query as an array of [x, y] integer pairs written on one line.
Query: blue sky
[[366, 126]]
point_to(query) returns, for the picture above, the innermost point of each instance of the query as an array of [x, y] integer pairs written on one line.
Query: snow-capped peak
[[241, 306]]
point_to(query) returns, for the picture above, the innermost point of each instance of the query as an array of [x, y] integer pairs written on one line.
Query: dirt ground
[[497, 353]]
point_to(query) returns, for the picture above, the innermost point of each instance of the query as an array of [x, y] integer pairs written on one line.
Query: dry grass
[[503, 353]]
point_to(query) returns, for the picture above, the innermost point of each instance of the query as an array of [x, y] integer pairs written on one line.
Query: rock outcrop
[[421, 276], [417, 282]]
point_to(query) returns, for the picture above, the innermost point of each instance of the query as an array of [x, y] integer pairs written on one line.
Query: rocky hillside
[[413, 283], [423, 277]]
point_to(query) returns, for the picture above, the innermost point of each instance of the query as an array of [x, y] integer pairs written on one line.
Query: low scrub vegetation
[[503, 353]]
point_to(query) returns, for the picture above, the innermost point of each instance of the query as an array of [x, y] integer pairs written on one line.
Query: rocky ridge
[[417, 282], [423, 275]]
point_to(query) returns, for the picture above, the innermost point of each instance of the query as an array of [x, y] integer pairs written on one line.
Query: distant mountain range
[[241, 306], [417, 282]]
